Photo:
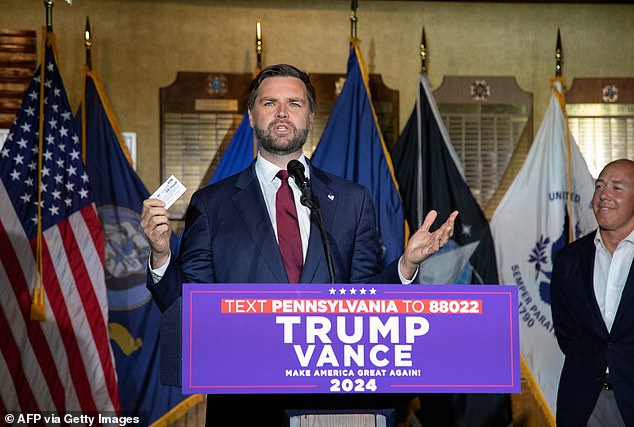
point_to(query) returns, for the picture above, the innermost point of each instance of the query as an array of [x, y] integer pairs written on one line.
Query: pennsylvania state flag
[[133, 318], [352, 147], [429, 178], [239, 154]]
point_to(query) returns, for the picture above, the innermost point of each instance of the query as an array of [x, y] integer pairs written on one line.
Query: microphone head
[[294, 166], [295, 169]]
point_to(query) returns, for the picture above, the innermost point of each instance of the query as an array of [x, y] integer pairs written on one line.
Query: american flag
[[64, 363]]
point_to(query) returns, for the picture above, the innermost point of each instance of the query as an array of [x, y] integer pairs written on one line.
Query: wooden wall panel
[[18, 59]]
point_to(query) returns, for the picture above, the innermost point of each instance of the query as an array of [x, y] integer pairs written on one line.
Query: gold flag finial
[[49, 15], [354, 6], [559, 57], [259, 46], [423, 53], [88, 43]]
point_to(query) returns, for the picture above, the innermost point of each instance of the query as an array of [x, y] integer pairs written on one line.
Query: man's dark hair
[[282, 70]]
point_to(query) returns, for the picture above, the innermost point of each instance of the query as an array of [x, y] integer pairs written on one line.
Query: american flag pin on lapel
[[331, 197]]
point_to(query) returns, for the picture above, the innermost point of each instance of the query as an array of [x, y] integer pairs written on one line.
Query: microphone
[[295, 168]]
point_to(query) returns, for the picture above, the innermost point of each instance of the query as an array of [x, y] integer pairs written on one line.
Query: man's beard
[[281, 145]]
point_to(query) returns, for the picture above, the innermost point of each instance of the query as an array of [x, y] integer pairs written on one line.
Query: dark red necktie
[[288, 235]]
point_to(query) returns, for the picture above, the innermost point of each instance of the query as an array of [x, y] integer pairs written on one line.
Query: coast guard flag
[[50, 235], [547, 205], [352, 147], [134, 317], [239, 154], [430, 177]]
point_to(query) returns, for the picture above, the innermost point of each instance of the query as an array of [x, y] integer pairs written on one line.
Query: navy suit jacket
[[584, 338], [229, 238]]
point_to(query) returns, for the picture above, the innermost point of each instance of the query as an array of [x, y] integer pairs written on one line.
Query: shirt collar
[[629, 238], [598, 240], [266, 170]]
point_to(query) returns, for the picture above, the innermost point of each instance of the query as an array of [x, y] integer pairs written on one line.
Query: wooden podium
[[376, 418], [306, 410]]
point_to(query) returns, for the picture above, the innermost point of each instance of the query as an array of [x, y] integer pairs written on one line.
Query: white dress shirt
[[610, 274]]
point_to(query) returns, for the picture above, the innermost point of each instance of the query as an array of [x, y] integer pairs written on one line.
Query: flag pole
[[423, 53], [558, 55], [420, 209], [559, 58], [259, 50], [38, 308], [87, 69], [259, 46], [49, 15], [88, 43], [354, 7]]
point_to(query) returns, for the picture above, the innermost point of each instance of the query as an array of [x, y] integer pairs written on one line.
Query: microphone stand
[[306, 200]]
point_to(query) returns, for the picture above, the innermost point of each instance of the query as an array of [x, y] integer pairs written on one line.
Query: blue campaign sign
[[254, 338]]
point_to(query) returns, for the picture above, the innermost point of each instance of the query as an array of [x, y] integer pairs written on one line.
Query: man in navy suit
[[231, 227], [592, 293]]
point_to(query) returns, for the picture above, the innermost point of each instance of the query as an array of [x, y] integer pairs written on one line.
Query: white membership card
[[169, 191]]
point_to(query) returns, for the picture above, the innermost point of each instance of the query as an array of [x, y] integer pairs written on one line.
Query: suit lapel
[[250, 205], [315, 259], [326, 199], [586, 277]]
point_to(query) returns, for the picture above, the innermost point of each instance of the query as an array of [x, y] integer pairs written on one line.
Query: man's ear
[[250, 118]]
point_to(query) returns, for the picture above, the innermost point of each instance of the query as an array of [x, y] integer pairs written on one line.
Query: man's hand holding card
[[155, 219]]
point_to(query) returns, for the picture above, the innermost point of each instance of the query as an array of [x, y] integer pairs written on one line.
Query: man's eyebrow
[[616, 181], [277, 98]]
